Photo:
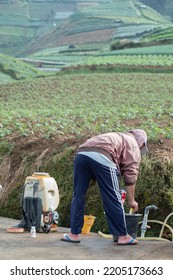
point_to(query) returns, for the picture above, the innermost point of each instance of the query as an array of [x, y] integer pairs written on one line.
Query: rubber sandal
[[66, 238], [131, 242]]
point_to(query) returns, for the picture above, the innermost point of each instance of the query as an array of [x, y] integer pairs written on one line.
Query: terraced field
[[24, 23]]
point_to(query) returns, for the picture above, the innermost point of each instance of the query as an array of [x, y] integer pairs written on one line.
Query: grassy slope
[[13, 69], [5, 79]]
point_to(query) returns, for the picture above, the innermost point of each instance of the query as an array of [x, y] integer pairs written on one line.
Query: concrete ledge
[[21, 246]]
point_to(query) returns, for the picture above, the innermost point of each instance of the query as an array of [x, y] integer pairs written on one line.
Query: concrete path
[[92, 247]]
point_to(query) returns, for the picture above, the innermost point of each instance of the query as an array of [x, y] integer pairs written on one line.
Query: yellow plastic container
[[42, 185], [88, 222]]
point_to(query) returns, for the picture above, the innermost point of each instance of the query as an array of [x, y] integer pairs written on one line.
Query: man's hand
[[133, 205]]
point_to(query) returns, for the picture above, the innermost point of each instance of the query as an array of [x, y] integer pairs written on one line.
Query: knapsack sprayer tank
[[40, 200], [45, 187]]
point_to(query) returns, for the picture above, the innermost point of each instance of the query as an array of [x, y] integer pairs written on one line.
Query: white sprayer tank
[[42, 185]]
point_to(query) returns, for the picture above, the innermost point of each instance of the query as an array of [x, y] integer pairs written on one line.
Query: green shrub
[[121, 44], [5, 148], [155, 186], [11, 206]]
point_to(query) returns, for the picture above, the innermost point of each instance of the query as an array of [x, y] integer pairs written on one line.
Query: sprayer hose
[[165, 222], [163, 225], [148, 238]]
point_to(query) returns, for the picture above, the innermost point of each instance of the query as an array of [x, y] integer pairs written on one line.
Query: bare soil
[[161, 149], [38, 147]]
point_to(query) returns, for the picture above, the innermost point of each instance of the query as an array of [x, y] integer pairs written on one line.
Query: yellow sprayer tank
[[42, 185]]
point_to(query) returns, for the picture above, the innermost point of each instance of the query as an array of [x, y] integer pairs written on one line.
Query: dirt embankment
[[28, 154]]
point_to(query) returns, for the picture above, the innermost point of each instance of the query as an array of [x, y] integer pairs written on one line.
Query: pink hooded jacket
[[124, 149]]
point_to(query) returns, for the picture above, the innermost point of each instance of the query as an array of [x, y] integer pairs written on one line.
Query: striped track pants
[[86, 168]]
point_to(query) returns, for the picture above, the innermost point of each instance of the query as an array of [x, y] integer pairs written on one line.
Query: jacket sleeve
[[129, 164]]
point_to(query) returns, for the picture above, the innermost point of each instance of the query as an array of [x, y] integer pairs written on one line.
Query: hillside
[[101, 23], [43, 121], [12, 69], [23, 22], [28, 26]]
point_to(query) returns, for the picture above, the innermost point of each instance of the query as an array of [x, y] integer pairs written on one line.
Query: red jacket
[[124, 151]]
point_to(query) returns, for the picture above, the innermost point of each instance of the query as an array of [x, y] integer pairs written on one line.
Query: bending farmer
[[105, 157]]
